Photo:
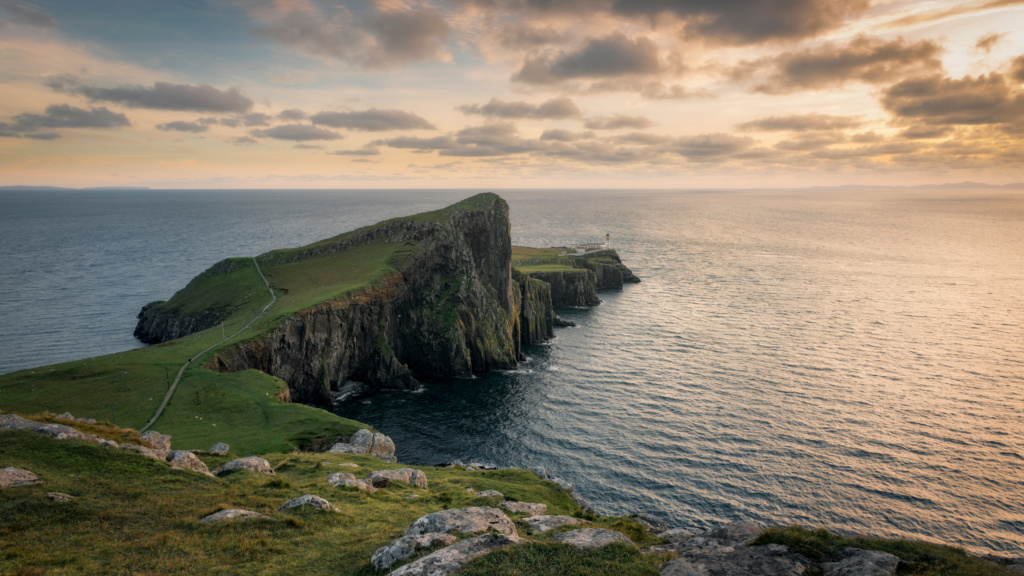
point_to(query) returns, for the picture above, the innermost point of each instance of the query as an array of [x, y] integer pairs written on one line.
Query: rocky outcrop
[[57, 431], [339, 479], [592, 538], [577, 288], [537, 313], [545, 523], [12, 477], [531, 508], [186, 460], [145, 451], [157, 440], [769, 560], [251, 463], [464, 520], [857, 562], [407, 547], [367, 443], [232, 514], [312, 501], [447, 560], [384, 478], [219, 448]]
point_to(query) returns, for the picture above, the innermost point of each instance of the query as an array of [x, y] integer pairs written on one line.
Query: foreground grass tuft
[[563, 560]]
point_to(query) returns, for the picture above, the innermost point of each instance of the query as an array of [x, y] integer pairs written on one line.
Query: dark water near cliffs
[[847, 359]]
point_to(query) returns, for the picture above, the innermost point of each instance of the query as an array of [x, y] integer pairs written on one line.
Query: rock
[[58, 431], [157, 440], [383, 478], [367, 443], [406, 547], [232, 514], [154, 454], [488, 493], [541, 472], [857, 562], [250, 463], [185, 460], [545, 523], [531, 508], [735, 533], [110, 443], [348, 465], [592, 538], [315, 502], [770, 560], [584, 504], [447, 560], [59, 497], [651, 523], [341, 479], [219, 448], [678, 535], [564, 484], [465, 520], [66, 416], [12, 477]]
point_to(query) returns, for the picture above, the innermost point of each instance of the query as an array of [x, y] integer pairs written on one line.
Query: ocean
[[852, 359]]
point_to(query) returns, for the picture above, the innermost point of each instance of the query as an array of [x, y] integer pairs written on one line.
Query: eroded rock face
[[545, 523], [770, 560], [232, 514], [12, 477], [186, 460], [859, 562], [364, 442], [407, 547], [343, 479], [464, 520], [531, 508], [448, 560], [592, 538], [382, 478], [250, 463], [576, 288], [312, 501], [157, 440]]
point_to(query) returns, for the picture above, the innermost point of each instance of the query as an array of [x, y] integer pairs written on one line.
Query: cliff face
[[578, 287]]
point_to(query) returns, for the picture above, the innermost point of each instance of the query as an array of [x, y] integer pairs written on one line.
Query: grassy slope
[[528, 260]]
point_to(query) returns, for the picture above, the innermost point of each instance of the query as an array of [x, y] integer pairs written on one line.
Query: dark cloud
[[1017, 69], [180, 126], [554, 109], [864, 59], [641, 138], [161, 96], [297, 133], [43, 136], [926, 132], [811, 141], [801, 122], [367, 151], [243, 140], [373, 120], [64, 116], [407, 36], [609, 57], [25, 14], [565, 135], [617, 122], [257, 119], [415, 143], [291, 115], [986, 42], [867, 138], [937, 100], [308, 147], [522, 35], [710, 146]]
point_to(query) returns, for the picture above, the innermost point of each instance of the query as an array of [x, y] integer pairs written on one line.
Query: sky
[[510, 93]]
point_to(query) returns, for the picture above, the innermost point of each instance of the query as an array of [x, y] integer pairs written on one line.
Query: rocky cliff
[[590, 272]]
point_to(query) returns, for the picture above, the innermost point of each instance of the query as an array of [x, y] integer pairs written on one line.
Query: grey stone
[[735, 533], [651, 523], [110, 443], [592, 538], [232, 514], [185, 460], [59, 497], [339, 479], [545, 523], [383, 478], [219, 448], [465, 520], [12, 477], [250, 463], [58, 431], [314, 502], [531, 508], [368, 443], [489, 493], [66, 416], [770, 560], [541, 472], [678, 535], [157, 440], [407, 547], [859, 562], [145, 451], [584, 504], [447, 560]]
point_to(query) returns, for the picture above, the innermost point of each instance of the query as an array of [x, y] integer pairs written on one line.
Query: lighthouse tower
[[607, 241]]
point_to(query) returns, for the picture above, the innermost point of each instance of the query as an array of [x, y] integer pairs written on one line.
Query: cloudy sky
[[510, 93]]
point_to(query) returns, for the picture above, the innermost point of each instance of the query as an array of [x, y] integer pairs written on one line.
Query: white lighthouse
[[607, 241]]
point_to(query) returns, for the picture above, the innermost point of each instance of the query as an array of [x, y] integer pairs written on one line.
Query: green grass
[[528, 260], [919, 558], [135, 515]]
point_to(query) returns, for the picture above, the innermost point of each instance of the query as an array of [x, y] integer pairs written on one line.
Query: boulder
[[110, 443], [651, 523], [58, 431], [488, 493], [157, 440], [367, 443], [152, 453], [857, 562], [66, 416], [678, 535], [447, 560], [186, 460], [592, 538], [770, 560], [465, 520], [339, 479], [219, 448], [531, 508], [232, 514], [314, 502], [383, 478], [545, 523], [59, 497], [250, 463], [407, 547], [11, 477], [734, 533]]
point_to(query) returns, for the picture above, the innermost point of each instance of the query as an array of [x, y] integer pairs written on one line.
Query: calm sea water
[[846, 359]]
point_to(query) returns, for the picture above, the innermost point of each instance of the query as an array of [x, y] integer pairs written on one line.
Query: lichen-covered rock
[[342, 479], [447, 560], [407, 547], [219, 448], [250, 463], [145, 451], [58, 431], [59, 497], [311, 500], [232, 514], [531, 508], [186, 460], [364, 442], [857, 562], [12, 477], [157, 440], [464, 520], [734, 533], [383, 478], [592, 538], [545, 523], [770, 560], [489, 493]]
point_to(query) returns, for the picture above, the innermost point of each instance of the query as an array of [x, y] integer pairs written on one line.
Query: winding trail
[[170, 392]]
